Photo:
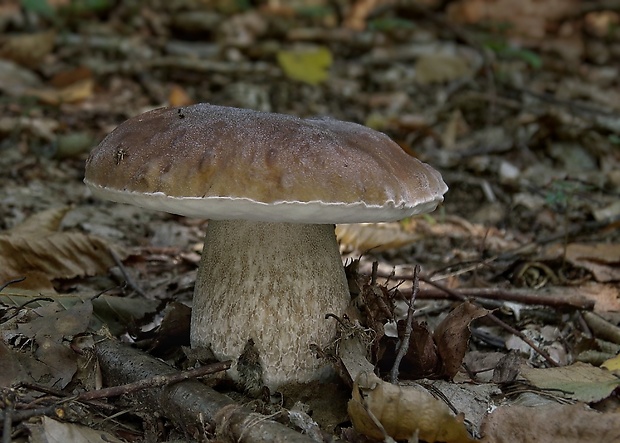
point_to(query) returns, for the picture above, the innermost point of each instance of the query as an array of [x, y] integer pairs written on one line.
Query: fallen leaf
[[173, 330], [579, 381], [15, 79], [472, 400], [309, 65], [53, 431], [437, 68], [353, 353], [606, 296], [27, 49], [379, 409], [527, 17], [19, 366], [422, 358], [374, 236], [10, 369], [115, 312], [452, 336], [73, 93], [177, 96], [38, 252], [551, 423], [358, 13], [66, 78], [613, 364], [51, 332], [601, 259]]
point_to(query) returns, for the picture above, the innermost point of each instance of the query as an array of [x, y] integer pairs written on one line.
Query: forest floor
[[517, 104]]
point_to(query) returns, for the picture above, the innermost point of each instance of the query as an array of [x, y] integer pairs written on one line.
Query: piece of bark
[[191, 405]]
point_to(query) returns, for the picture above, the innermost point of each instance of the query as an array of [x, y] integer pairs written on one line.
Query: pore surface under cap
[[229, 163]]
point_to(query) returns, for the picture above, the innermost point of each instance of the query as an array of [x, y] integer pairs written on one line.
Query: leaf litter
[[516, 107]]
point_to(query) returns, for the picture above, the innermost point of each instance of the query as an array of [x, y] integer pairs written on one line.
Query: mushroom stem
[[272, 283]]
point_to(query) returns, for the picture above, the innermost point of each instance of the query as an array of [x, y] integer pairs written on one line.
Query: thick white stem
[[272, 283]]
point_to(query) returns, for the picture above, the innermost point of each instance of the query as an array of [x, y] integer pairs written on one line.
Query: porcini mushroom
[[272, 186]]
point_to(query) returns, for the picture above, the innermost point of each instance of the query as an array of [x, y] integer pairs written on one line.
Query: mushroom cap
[[228, 163]]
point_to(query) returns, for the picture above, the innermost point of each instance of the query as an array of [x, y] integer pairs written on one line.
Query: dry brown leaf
[[37, 251], [605, 296], [359, 12], [73, 93], [27, 49], [54, 362], [601, 259], [379, 409], [353, 353], [16, 366], [551, 423], [48, 220], [178, 96], [452, 336], [455, 227], [49, 430], [68, 77], [528, 18], [422, 359], [374, 236]]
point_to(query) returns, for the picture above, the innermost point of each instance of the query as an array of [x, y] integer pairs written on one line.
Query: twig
[[57, 393], [404, 344], [10, 282], [128, 278], [577, 107], [153, 382], [601, 328], [9, 406], [497, 321], [25, 414], [515, 295], [373, 275], [115, 391], [524, 296]]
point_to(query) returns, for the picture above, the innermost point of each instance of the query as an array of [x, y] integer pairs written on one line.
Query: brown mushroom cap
[[228, 163]]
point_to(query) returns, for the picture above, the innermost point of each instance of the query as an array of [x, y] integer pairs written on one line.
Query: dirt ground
[[517, 104]]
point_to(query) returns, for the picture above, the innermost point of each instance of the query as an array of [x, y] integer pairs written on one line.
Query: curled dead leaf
[[379, 409], [452, 335]]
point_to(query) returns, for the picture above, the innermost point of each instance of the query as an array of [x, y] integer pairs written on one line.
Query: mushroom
[[272, 187]]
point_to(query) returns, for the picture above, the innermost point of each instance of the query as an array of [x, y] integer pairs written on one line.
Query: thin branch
[[128, 278], [153, 382], [10, 282], [515, 295], [404, 344], [519, 295], [9, 406], [114, 391]]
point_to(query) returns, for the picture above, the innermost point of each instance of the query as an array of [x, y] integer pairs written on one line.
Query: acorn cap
[[227, 163]]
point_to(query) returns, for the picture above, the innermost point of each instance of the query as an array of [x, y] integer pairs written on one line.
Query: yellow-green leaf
[[613, 364], [579, 381], [309, 65]]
